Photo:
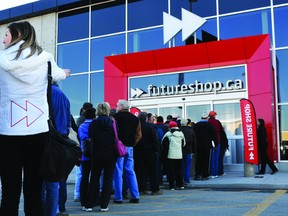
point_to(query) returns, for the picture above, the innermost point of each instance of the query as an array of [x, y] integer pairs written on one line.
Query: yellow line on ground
[[266, 203]]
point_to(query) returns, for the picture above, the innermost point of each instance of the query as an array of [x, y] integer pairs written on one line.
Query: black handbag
[[60, 153]]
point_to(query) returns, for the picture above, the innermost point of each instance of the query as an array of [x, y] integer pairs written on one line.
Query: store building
[[179, 77]]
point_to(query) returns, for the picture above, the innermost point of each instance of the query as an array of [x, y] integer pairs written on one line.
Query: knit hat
[[172, 124]]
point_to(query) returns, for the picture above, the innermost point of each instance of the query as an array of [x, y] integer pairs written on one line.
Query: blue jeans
[[125, 170], [78, 177], [62, 195], [215, 160], [187, 158], [50, 195]]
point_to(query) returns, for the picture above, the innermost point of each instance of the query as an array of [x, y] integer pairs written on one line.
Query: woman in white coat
[[24, 115]]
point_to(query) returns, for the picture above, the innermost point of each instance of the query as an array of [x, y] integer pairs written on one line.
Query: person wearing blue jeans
[[125, 169], [62, 198], [188, 149], [215, 161], [186, 166], [129, 133], [78, 177], [216, 150], [50, 194]]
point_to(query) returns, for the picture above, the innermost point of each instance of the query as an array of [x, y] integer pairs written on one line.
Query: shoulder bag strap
[[115, 130], [49, 95]]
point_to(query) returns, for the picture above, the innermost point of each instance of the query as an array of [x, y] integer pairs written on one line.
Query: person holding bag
[[24, 114]]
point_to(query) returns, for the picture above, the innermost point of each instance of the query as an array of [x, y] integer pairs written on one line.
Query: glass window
[[206, 33], [114, 20], [246, 24], [74, 56], [146, 13], [282, 77], [281, 30], [199, 7], [77, 96], [67, 23], [283, 120], [280, 2], [194, 112], [146, 40], [228, 6], [97, 88], [106, 46]]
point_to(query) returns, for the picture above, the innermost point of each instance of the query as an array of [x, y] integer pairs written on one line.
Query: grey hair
[[124, 103], [103, 108]]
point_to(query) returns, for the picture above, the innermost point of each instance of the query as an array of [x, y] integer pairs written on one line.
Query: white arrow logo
[[189, 24], [18, 113], [135, 93], [251, 156]]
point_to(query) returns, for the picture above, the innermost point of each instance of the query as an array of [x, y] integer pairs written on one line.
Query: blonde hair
[[103, 109]]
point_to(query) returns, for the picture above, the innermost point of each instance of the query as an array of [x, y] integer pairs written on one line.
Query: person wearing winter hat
[[205, 134], [214, 166], [172, 144]]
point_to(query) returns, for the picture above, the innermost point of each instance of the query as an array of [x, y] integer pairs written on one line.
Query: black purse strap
[[49, 96]]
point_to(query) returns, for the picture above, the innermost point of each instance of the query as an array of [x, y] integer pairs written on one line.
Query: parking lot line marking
[[265, 203]]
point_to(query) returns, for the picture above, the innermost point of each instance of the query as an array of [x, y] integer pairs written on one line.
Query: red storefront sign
[[249, 126]]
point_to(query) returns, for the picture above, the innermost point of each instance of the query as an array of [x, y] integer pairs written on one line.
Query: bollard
[[248, 170]]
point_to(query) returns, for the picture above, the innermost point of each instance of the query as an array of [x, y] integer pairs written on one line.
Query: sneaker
[[135, 200], [212, 177], [104, 209], [274, 171], [180, 188], [172, 189], [83, 208], [159, 192], [118, 201], [88, 209]]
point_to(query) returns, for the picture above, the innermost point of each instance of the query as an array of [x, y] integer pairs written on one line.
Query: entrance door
[[230, 116]]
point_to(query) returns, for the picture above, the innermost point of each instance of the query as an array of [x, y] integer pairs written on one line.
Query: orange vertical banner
[[249, 126]]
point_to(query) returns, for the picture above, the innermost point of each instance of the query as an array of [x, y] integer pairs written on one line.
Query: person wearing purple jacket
[[90, 114]]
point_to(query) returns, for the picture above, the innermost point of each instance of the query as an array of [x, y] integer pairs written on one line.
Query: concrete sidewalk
[[234, 180], [237, 180]]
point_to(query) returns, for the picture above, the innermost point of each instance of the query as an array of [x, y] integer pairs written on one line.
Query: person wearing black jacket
[[223, 147], [103, 158], [145, 156], [130, 134], [205, 134], [188, 149], [262, 148]]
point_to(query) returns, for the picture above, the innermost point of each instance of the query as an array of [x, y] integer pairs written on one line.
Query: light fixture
[[6, 4]]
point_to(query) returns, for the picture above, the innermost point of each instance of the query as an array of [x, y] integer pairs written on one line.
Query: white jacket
[[176, 140], [23, 88]]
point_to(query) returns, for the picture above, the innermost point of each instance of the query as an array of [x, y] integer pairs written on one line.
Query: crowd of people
[[155, 148]]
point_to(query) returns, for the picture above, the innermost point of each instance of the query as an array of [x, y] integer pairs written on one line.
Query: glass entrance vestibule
[[191, 106]]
